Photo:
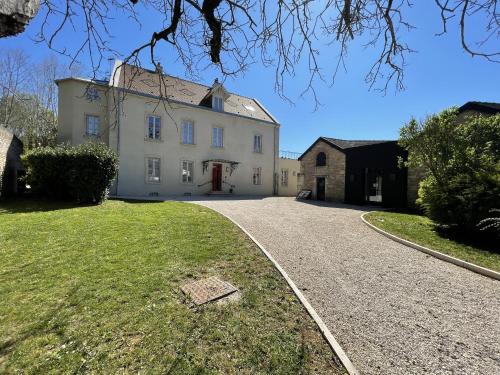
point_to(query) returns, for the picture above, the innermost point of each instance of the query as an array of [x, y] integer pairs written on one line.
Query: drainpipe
[[276, 159], [118, 140]]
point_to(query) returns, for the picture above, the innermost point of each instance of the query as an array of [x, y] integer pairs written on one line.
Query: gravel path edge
[[332, 342], [447, 258]]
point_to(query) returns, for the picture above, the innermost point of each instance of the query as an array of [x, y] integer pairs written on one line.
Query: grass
[[96, 289], [421, 230]]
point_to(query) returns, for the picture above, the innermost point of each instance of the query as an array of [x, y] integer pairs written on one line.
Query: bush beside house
[[461, 155], [82, 173]]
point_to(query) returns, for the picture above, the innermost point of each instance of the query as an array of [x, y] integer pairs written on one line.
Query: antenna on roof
[[159, 68]]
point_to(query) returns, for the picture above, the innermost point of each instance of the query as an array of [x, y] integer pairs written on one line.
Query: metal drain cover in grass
[[207, 290]]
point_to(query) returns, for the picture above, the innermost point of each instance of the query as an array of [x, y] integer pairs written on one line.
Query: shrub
[[82, 173], [462, 158]]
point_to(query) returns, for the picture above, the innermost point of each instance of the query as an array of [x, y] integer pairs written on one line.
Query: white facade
[[172, 148]]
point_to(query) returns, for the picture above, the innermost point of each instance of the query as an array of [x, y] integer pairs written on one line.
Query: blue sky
[[440, 74]]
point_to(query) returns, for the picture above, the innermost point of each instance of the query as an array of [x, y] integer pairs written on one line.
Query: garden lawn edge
[[447, 258]]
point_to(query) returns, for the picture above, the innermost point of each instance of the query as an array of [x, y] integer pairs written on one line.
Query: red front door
[[217, 177]]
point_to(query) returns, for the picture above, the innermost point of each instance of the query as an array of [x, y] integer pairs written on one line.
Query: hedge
[[82, 173]]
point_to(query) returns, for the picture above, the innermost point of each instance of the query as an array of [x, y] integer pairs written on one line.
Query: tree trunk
[[15, 15]]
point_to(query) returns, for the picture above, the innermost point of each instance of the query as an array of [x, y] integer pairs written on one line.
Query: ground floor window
[[153, 170], [187, 171], [92, 125], [284, 177], [256, 179]]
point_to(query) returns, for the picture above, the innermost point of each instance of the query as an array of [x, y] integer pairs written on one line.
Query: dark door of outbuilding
[[320, 188]]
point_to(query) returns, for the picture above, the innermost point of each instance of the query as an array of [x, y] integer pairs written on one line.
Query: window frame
[[284, 181], [182, 172], [260, 149], [221, 137], [259, 176], [183, 123], [151, 115], [98, 131], [216, 100], [147, 177], [324, 160]]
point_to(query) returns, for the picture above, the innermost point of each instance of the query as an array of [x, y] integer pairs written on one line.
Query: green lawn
[[421, 230], [96, 289]]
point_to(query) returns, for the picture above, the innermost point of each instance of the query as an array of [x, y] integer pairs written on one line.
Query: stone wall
[[11, 149], [334, 171]]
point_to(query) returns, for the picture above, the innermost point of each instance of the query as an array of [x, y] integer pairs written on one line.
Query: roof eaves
[[324, 139], [265, 111], [80, 79]]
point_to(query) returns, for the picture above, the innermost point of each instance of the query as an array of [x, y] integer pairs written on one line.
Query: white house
[[172, 136]]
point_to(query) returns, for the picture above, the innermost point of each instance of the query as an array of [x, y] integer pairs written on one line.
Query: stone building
[[356, 172], [11, 168]]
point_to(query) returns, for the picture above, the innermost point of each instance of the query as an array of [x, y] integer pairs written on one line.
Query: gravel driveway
[[393, 309]]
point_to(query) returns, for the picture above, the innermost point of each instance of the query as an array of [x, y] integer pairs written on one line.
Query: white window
[[92, 125], [217, 103], [188, 133], [284, 177], [153, 170], [257, 143], [217, 137], [256, 179], [187, 171], [154, 127]]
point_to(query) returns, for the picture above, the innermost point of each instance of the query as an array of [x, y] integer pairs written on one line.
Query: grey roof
[[143, 81], [343, 144], [346, 144], [484, 107]]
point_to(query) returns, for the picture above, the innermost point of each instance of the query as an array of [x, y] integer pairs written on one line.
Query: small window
[[92, 125], [153, 170], [217, 103], [257, 143], [256, 179], [321, 159], [284, 177], [187, 171], [188, 133], [217, 137], [154, 127]]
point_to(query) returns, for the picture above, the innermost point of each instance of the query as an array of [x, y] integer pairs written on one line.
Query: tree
[[282, 34], [28, 105], [462, 158]]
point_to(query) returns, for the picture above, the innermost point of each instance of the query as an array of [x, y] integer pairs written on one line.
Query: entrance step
[[220, 193]]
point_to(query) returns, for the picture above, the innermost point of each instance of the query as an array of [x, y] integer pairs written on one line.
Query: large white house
[[172, 136]]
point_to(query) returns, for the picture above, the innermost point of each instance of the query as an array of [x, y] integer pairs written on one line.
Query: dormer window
[[217, 103]]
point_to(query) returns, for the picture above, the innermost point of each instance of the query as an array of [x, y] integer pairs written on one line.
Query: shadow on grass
[[480, 240], [27, 204], [477, 240]]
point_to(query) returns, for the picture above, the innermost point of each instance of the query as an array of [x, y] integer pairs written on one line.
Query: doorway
[[320, 188], [217, 177], [373, 188]]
